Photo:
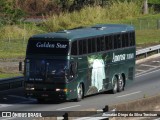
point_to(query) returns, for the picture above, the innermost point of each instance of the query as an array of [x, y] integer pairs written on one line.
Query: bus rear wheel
[[79, 92], [115, 85], [120, 84]]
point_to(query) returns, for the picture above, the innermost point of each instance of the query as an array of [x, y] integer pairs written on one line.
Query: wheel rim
[[121, 84], [80, 92], [115, 84]]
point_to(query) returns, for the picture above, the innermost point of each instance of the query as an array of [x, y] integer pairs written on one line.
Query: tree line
[[13, 10]]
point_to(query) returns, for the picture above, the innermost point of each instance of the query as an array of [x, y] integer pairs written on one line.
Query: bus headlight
[[63, 90], [28, 88]]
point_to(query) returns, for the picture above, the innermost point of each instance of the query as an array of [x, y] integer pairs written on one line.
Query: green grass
[[9, 75], [13, 38], [148, 37], [93, 15]]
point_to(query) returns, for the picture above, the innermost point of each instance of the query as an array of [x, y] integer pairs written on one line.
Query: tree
[[9, 13], [145, 7]]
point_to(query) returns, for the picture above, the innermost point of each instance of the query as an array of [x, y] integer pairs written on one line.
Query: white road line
[[129, 94], [140, 70], [156, 119], [148, 65], [146, 72], [4, 105], [156, 61], [68, 107], [11, 118]]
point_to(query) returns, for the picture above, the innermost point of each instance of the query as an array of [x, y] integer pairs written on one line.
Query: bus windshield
[[53, 47], [46, 69]]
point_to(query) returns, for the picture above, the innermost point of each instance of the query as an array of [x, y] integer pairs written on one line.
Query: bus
[[71, 64]]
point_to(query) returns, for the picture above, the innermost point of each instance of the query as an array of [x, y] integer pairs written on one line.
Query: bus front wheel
[[79, 92]]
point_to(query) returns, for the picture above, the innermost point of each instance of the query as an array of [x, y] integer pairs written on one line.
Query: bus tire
[[120, 84], [79, 92], [115, 85]]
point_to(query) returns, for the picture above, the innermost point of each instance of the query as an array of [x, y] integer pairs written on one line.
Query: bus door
[[107, 80]]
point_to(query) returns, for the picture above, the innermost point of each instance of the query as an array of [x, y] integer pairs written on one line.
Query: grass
[[148, 36], [13, 38], [9, 75], [93, 15]]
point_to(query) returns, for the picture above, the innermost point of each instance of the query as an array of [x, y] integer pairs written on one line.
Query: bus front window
[[47, 69]]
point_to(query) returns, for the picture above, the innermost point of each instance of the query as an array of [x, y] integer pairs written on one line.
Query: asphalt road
[[146, 84]]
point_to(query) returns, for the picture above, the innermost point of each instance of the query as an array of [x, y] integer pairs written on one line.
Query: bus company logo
[[117, 58], [6, 114], [122, 57], [50, 45]]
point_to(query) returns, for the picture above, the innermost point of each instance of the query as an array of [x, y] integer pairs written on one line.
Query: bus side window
[[74, 48], [107, 42], [115, 41], [94, 45], [84, 46], [98, 44], [73, 69], [110, 42], [103, 47], [123, 41], [127, 39], [80, 47], [132, 39], [119, 40], [89, 45]]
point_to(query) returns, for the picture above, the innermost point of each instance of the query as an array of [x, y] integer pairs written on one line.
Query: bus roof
[[97, 30]]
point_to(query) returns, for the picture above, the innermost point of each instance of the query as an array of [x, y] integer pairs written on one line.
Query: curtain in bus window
[[94, 45], [74, 48], [89, 45], [80, 47]]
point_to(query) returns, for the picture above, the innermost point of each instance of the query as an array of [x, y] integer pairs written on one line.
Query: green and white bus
[[74, 63]]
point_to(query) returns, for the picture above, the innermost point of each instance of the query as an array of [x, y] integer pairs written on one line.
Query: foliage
[[9, 12], [92, 15], [154, 1]]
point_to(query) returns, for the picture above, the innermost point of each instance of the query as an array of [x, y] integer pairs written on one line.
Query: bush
[[93, 15]]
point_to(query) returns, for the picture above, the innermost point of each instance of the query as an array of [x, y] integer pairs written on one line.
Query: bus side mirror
[[20, 66], [73, 68]]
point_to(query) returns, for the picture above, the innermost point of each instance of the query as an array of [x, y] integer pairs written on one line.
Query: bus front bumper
[[49, 95]]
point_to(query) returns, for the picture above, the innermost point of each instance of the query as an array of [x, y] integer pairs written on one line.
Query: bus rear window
[[47, 47]]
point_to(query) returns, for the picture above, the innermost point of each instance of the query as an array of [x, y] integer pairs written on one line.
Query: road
[[146, 84]]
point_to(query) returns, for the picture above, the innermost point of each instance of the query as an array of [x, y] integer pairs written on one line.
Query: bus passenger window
[[74, 48], [84, 46], [89, 45], [93, 45], [126, 40], [123, 41], [102, 44], [98, 44], [132, 39], [119, 40], [115, 42], [80, 47], [110, 45], [107, 42]]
